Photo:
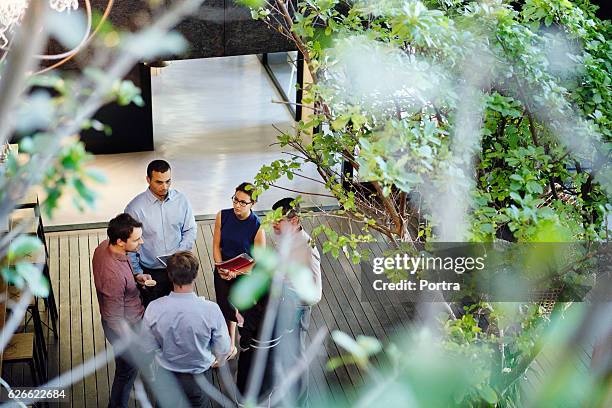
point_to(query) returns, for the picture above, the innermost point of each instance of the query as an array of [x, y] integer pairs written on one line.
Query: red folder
[[238, 262]]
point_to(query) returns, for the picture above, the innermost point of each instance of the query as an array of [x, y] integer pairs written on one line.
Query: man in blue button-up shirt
[[187, 334], [168, 226]]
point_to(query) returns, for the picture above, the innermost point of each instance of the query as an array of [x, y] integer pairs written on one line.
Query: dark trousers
[[162, 288], [125, 374], [168, 382]]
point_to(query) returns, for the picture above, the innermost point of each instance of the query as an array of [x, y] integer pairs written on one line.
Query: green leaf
[[515, 196], [34, 278], [10, 275], [23, 246], [301, 279], [96, 175], [534, 187], [548, 20], [488, 394], [487, 228], [253, 4], [369, 344], [37, 112], [340, 122], [348, 343], [249, 289]]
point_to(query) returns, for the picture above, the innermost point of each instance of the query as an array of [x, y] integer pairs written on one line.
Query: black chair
[[34, 316], [21, 349]]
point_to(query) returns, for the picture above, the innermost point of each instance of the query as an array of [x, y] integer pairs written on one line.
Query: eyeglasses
[[242, 203]]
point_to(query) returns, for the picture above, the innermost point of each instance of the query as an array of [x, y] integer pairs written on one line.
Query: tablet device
[[164, 260]]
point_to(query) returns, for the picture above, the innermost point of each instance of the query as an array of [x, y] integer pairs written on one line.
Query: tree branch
[[303, 192], [389, 206], [28, 41]]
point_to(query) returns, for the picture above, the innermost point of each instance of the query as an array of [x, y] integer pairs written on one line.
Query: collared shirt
[[303, 252], [118, 295], [188, 330], [167, 227]]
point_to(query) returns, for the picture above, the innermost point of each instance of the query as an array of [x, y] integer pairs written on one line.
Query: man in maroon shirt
[[119, 297]]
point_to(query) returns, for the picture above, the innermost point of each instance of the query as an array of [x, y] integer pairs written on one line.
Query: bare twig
[[8, 388], [296, 104], [308, 178], [228, 382], [213, 392], [141, 394], [303, 192]]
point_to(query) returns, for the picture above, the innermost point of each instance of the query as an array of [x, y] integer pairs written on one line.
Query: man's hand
[[142, 277]]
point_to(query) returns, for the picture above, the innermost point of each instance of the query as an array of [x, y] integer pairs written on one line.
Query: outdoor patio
[[81, 336]]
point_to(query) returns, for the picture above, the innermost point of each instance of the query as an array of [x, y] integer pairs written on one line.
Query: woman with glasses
[[237, 230]]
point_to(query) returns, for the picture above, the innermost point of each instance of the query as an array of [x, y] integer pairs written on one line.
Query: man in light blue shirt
[[168, 226], [187, 332]]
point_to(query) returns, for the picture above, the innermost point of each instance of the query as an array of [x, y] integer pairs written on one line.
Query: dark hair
[[183, 268], [247, 188], [289, 210], [121, 227], [160, 166]]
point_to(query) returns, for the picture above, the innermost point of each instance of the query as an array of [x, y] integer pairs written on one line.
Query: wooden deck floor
[[341, 308], [81, 336]]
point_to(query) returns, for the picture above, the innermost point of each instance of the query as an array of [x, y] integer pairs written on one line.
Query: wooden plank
[[324, 379], [90, 388], [393, 317], [351, 287], [399, 318], [378, 248], [378, 318], [76, 332], [199, 249], [64, 304], [207, 235], [53, 343]]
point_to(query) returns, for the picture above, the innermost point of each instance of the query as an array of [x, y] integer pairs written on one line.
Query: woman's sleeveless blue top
[[237, 236]]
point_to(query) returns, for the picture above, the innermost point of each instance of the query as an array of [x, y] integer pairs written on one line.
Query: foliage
[[474, 121], [397, 133], [465, 369], [19, 268]]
